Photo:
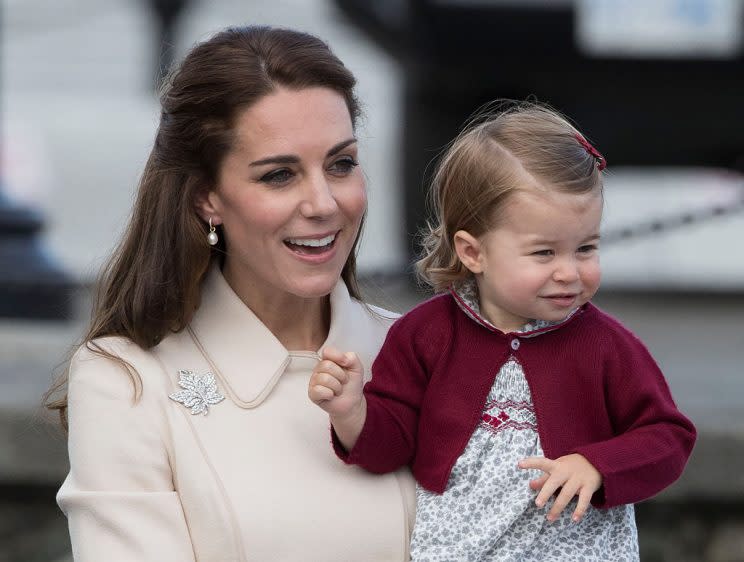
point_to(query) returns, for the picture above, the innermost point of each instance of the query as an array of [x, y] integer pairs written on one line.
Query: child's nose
[[567, 271]]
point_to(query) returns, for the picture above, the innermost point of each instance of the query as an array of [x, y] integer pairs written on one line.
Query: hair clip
[[601, 162]]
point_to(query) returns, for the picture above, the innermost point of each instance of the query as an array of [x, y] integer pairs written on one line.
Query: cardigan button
[[515, 344]]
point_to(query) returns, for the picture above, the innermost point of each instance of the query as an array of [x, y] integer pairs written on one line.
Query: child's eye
[[343, 166], [277, 177], [543, 253], [588, 248]]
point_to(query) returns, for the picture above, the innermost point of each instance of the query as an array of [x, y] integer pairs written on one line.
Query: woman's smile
[[313, 249]]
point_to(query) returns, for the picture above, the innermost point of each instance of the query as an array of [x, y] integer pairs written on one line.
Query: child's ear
[[468, 249]]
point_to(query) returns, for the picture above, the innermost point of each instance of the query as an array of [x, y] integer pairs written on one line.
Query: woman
[[191, 435]]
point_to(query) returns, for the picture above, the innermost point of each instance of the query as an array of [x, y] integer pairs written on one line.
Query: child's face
[[542, 259]]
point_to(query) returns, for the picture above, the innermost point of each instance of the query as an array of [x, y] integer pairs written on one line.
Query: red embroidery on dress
[[503, 405], [497, 421], [502, 420]]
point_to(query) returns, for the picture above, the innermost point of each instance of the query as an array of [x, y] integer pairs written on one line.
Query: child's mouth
[[562, 300]]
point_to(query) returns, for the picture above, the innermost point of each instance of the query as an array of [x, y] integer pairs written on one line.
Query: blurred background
[[657, 85]]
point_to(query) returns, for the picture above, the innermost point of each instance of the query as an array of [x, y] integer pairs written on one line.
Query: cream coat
[[255, 479]]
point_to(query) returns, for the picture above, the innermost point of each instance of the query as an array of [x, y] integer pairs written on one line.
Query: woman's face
[[290, 194]]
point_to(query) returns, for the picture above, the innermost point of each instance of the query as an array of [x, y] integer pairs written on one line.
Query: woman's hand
[[573, 474], [336, 386]]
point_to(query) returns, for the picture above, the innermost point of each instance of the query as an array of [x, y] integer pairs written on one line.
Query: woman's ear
[[206, 203], [468, 249]]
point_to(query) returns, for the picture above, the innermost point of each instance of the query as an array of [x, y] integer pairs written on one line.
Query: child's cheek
[[592, 277]]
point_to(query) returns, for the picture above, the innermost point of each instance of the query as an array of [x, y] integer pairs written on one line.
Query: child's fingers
[[344, 359], [548, 489], [545, 483], [328, 381], [318, 393], [348, 360], [352, 361], [333, 354], [566, 495], [332, 369], [539, 463], [538, 483], [585, 496]]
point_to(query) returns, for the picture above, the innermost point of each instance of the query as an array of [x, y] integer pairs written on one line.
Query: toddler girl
[[508, 393]]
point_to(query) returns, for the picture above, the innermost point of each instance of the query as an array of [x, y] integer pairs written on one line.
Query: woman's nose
[[318, 200]]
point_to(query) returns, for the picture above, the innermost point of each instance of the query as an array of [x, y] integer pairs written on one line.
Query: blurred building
[[657, 85]]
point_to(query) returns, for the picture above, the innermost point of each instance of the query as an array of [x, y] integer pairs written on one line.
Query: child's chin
[[555, 316]]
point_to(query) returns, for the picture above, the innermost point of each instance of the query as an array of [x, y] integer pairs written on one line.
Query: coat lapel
[[245, 356]]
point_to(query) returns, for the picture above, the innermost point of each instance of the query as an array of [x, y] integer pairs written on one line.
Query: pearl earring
[[212, 237]]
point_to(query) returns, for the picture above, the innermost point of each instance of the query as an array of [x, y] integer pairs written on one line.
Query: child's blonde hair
[[520, 146]]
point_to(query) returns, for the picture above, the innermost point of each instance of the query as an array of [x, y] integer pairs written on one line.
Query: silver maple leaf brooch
[[199, 391]]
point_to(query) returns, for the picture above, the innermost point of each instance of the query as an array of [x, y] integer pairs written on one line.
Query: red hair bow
[[601, 162]]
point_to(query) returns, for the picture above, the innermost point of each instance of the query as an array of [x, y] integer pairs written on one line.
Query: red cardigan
[[596, 391]]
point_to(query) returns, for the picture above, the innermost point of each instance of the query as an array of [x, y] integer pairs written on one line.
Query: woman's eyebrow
[[340, 146], [279, 159], [293, 159]]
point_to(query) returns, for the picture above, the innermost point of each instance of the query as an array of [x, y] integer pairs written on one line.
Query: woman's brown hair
[[151, 285], [504, 148]]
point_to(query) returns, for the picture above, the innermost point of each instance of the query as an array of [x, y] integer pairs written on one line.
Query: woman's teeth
[[312, 242]]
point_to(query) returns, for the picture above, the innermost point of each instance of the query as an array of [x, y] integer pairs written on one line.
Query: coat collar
[[242, 352]]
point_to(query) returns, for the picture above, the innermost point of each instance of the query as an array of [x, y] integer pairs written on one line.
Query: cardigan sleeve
[[119, 496], [653, 439], [400, 375]]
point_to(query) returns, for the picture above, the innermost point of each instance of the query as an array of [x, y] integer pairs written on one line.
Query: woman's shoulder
[[112, 365], [381, 314], [108, 351], [99, 347], [363, 313], [431, 310]]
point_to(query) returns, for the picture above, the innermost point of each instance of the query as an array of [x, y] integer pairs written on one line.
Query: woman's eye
[[277, 177], [343, 167]]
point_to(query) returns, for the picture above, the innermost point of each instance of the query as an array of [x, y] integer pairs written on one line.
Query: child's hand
[[573, 473], [336, 385]]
